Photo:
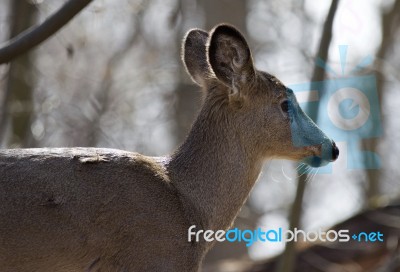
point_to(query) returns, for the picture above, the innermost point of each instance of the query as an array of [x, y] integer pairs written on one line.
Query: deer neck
[[213, 170]]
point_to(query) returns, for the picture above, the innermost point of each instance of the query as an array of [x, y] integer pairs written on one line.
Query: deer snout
[[329, 151]]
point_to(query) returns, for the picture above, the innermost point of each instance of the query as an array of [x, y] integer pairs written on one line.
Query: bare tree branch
[[37, 34]]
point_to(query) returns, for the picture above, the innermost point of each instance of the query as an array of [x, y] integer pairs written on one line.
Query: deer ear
[[194, 55], [230, 57]]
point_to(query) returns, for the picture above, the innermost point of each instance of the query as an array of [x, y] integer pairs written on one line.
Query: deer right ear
[[230, 57], [194, 55]]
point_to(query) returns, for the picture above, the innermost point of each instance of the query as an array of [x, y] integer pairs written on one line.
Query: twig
[[37, 34]]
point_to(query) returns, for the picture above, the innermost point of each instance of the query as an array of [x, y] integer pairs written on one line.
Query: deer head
[[262, 111]]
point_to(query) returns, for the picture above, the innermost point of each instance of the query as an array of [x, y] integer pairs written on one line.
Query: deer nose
[[335, 151]]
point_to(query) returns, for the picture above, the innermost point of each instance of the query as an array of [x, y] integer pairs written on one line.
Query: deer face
[[262, 111], [290, 131]]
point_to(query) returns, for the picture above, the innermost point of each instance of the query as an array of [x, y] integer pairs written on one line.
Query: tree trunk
[[286, 263], [18, 103], [390, 23]]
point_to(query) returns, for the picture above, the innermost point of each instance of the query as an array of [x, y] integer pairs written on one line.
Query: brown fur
[[87, 209]]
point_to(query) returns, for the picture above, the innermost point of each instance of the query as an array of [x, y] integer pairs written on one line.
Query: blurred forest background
[[113, 77]]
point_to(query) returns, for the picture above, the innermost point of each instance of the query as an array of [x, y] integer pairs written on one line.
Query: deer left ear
[[230, 57], [194, 55]]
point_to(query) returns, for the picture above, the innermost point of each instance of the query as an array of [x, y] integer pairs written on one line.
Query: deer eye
[[285, 106]]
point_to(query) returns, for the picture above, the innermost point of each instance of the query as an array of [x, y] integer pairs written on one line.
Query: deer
[[98, 209]]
